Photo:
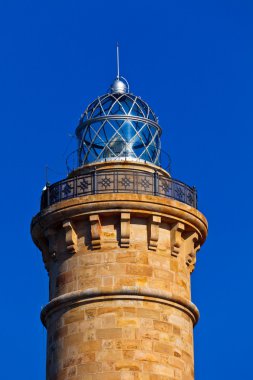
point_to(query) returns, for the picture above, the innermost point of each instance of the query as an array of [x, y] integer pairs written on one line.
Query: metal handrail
[[118, 181]]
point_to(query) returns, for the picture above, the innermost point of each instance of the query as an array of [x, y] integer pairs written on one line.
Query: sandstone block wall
[[120, 339], [120, 299]]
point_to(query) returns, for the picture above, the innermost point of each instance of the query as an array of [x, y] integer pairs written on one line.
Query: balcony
[[105, 181]]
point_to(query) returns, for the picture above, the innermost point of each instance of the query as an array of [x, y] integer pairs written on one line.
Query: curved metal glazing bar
[[121, 104]]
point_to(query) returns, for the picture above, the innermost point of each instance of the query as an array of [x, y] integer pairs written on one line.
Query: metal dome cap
[[120, 86]]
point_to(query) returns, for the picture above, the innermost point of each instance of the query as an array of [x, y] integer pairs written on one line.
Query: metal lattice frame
[[118, 125]]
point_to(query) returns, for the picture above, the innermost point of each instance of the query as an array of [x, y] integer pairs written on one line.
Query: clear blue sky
[[192, 61]]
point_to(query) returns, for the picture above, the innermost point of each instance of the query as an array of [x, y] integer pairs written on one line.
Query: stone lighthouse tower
[[119, 238]]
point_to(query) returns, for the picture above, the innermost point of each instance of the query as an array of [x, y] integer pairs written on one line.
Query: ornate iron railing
[[119, 181]]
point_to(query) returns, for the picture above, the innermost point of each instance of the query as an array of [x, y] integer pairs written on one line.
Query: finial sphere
[[118, 87]]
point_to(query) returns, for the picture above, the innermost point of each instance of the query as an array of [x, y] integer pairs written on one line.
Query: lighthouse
[[119, 238]]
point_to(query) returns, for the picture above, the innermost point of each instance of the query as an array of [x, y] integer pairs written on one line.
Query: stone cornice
[[168, 209], [77, 298]]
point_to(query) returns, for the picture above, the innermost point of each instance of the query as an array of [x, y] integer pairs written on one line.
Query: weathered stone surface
[[119, 268]]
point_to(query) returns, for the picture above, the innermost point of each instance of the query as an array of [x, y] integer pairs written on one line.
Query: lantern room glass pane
[[115, 126]]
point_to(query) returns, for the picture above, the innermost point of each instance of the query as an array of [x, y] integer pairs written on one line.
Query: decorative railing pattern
[[119, 181]]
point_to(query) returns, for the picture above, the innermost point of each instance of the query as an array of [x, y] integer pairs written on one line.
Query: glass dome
[[118, 125]]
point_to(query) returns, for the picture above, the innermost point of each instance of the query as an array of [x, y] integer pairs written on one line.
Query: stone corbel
[[125, 229], [95, 228], [192, 246], [50, 235], [154, 222], [43, 246], [70, 236], [176, 239]]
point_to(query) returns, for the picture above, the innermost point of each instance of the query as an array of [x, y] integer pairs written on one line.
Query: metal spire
[[120, 84], [117, 60]]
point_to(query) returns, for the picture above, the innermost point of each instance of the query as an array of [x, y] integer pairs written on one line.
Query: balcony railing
[[119, 181]]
